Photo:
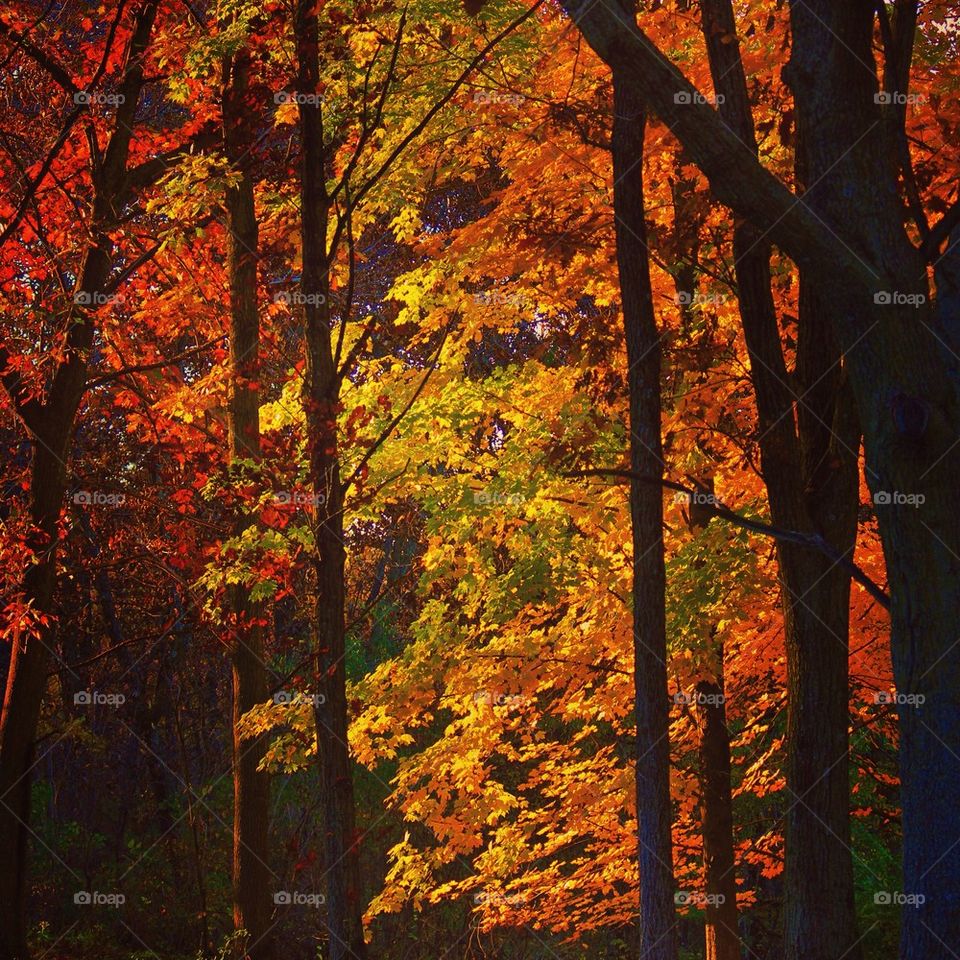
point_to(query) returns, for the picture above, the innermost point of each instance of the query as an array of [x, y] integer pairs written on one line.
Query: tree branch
[[715, 508]]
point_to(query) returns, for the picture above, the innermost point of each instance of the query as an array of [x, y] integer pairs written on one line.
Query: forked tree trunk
[[658, 924], [252, 891], [321, 389]]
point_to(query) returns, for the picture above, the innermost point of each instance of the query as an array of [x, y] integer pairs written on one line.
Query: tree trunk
[[810, 470], [658, 924], [321, 390], [252, 902], [722, 936], [52, 426]]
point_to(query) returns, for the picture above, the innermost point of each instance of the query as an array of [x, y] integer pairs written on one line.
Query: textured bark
[[810, 469], [321, 389], [722, 937], [252, 902], [51, 424], [848, 233], [658, 924]]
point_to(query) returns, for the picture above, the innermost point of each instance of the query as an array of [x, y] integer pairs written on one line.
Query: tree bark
[[722, 936], [658, 923], [848, 232], [51, 424], [810, 469], [321, 401], [252, 905]]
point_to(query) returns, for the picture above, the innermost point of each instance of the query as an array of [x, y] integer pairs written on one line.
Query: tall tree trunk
[[251, 787], [658, 923], [810, 470], [52, 425], [722, 936], [910, 418], [321, 390], [849, 233]]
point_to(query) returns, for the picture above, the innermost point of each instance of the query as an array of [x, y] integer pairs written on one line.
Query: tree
[[251, 813], [875, 280], [50, 422], [654, 808]]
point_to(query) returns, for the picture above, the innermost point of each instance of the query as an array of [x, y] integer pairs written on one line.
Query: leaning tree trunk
[[252, 904], [321, 390], [658, 923], [810, 470], [51, 425]]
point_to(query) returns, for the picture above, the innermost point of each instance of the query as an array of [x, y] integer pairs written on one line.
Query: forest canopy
[[479, 479]]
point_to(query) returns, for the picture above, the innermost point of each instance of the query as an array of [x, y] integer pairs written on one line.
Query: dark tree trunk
[[658, 924], [51, 425], [848, 233], [344, 902], [252, 901], [909, 413], [810, 470], [722, 936]]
